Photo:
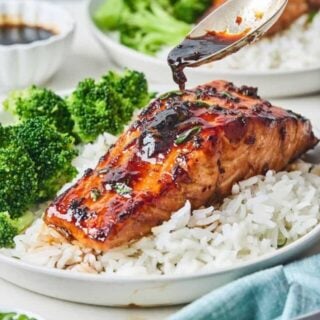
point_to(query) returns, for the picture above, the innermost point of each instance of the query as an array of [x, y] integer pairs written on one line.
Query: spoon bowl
[[250, 18]]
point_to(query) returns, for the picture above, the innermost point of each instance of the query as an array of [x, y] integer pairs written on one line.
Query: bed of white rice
[[261, 214], [293, 49]]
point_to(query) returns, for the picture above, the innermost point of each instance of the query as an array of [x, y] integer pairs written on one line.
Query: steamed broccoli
[[131, 85], [51, 151], [190, 10], [18, 176], [111, 14], [9, 228], [94, 109], [34, 102], [144, 25], [107, 104]]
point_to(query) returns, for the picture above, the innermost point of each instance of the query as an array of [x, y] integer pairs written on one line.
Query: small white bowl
[[24, 64]]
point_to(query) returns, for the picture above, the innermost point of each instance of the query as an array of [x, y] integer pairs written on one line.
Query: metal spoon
[[248, 18]]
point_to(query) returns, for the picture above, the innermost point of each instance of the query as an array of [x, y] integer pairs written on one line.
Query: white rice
[[249, 224], [293, 49]]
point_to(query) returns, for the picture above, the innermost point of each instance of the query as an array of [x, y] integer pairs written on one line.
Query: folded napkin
[[280, 293]]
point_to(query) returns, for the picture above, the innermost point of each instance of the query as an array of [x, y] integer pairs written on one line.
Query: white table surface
[[88, 59]]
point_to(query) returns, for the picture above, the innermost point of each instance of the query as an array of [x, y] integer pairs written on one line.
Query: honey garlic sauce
[[12, 33], [193, 49]]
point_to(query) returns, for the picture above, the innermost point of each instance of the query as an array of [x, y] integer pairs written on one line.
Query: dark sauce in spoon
[[21, 33], [193, 49]]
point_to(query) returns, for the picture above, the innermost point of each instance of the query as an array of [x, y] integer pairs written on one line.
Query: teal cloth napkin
[[280, 293]]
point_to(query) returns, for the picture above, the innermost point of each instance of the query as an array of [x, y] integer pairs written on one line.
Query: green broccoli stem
[[10, 228], [110, 14], [158, 20], [24, 221]]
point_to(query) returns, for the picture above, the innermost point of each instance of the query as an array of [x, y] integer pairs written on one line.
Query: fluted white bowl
[[24, 64]]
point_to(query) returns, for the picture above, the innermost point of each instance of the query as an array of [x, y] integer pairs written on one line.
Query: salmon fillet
[[184, 146]]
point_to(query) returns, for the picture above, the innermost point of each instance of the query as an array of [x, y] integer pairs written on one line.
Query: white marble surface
[[88, 59]]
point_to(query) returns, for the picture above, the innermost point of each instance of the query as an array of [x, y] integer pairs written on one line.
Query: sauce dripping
[[193, 49], [21, 33]]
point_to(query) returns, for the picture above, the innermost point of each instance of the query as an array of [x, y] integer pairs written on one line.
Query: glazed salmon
[[184, 146]]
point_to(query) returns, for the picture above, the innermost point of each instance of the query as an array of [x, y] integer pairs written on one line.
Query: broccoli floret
[[51, 151], [110, 14], [134, 86], [107, 105], [18, 176], [94, 110], [34, 102], [10, 228], [152, 27], [144, 25], [190, 10]]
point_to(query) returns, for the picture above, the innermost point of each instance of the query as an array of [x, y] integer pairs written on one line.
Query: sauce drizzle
[[193, 49]]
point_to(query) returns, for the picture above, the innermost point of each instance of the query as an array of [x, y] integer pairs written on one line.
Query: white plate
[[271, 83], [139, 291], [156, 290]]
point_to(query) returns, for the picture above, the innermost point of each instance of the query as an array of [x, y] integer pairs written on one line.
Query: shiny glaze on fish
[[184, 146]]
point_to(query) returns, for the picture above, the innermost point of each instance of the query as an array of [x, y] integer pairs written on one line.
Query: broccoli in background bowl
[[149, 25]]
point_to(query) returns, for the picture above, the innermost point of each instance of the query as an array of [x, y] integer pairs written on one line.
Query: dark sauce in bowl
[[193, 49], [21, 33]]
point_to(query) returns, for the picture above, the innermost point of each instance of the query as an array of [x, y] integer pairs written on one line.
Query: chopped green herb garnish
[[311, 16], [282, 241], [185, 136], [121, 188], [170, 94], [226, 94], [201, 104], [95, 194]]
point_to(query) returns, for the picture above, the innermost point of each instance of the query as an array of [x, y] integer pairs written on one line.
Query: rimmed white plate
[[275, 83], [139, 291], [155, 290]]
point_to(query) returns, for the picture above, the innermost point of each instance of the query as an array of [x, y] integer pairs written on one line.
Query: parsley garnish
[[185, 136], [121, 189], [95, 194], [282, 241], [170, 94], [226, 94], [201, 104], [311, 16]]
